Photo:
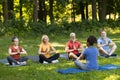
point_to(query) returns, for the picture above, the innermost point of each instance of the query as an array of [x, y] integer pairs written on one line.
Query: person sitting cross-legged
[[47, 53], [90, 54], [106, 46], [73, 47], [15, 52]]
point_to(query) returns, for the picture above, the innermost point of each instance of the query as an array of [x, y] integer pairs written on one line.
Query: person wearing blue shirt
[[90, 54], [106, 46]]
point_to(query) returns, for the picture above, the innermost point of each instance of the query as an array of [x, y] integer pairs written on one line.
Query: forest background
[[37, 17]]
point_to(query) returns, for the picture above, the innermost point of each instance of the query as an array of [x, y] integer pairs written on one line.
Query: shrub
[[22, 28]]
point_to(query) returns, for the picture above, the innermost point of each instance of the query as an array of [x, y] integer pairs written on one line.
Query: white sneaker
[[55, 61], [23, 63], [14, 65], [45, 62]]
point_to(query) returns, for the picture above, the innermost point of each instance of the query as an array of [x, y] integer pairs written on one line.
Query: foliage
[[2, 29], [13, 27], [22, 28], [38, 28], [63, 13], [61, 8]]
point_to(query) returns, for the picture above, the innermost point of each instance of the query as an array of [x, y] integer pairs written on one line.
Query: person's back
[[91, 54]]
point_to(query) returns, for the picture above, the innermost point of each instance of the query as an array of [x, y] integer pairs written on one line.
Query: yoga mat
[[77, 70], [33, 58]]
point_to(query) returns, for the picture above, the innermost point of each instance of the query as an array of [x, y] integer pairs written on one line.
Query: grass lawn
[[35, 71]]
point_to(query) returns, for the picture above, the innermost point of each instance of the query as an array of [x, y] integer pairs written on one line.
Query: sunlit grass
[[113, 31], [112, 77], [58, 45], [37, 71]]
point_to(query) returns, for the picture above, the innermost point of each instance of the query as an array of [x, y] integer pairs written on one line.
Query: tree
[[51, 11], [5, 10], [118, 7], [102, 7], [10, 9], [81, 5], [20, 2], [86, 9], [35, 12], [94, 16], [42, 11], [73, 11]]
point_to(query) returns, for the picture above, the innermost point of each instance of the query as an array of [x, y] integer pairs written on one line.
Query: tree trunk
[[94, 16], [42, 11], [51, 11], [114, 16], [10, 9], [86, 10], [5, 10], [73, 11], [82, 10], [102, 9], [20, 2], [35, 13]]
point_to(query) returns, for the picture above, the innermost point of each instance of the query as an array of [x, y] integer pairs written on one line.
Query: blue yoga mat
[[77, 70], [33, 58], [4, 61]]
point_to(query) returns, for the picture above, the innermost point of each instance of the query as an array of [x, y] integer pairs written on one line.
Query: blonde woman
[[46, 50]]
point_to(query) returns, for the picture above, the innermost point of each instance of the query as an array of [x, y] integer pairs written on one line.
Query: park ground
[[37, 71]]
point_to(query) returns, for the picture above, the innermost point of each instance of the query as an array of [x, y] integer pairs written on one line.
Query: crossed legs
[[49, 60], [11, 60], [72, 55], [111, 51]]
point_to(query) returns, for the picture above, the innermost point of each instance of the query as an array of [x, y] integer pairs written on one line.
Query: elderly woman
[[46, 50], [73, 46]]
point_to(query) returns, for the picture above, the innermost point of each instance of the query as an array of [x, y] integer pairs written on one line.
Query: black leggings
[[50, 59]]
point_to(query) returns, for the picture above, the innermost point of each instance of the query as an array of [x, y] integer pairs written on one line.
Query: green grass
[[35, 71]]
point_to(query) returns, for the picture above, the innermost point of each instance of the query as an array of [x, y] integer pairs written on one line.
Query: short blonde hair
[[103, 31], [44, 36], [72, 33]]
